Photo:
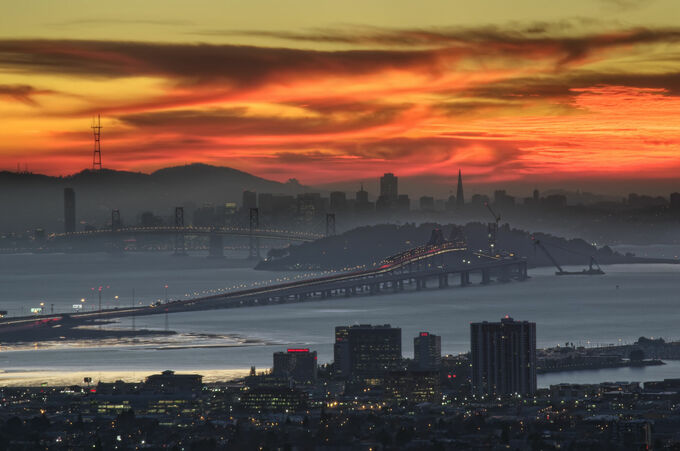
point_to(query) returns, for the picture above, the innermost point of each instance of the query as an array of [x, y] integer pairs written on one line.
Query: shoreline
[[22, 377], [577, 368]]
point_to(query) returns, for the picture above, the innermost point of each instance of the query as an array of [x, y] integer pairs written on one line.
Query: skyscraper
[[69, 210], [675, 201], [296, 364], [338, 201], [341, 358], [367, 350], [361, 203], [389, 186], [249, 200], [403, 202], [427, 351], [361, 196], [503, 357], [427, 203], [460, 198]]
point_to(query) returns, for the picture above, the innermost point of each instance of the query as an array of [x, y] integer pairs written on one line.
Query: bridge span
[[432, 266], [191, 230], [116, 235]]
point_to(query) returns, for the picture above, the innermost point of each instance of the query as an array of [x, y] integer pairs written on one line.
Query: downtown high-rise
[[503, 357]]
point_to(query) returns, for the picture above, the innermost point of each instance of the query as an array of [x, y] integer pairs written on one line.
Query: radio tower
[[97, 156]]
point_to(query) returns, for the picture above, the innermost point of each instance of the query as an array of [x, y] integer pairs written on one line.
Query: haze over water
[[628, 302]]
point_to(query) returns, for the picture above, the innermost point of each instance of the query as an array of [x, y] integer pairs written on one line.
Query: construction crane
[[593, 266], [492, 228]]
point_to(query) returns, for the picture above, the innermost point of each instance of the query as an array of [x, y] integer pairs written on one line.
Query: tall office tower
[[427, 351], [361, 203], [372, 350], [675, 201], [338, 201], [296, 364], [249, 200], [361, 196], [69, 210], [341, 358], [427, 203], [503, 357], [389, 187], [460, 198], [265, 203], [403, 202]]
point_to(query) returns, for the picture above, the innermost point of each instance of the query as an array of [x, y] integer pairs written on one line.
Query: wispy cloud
[[22, 93], [543, 99], [97, 21]]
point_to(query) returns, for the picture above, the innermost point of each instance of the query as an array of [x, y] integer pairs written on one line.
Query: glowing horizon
[[550, 97]]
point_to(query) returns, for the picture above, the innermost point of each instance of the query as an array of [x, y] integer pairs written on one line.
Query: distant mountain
[[29, 201]]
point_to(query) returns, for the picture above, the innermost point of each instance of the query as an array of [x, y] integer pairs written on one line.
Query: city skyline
[[376, 225], [512, 96]]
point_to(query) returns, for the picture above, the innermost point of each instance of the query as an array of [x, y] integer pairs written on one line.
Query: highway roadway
[[392, 271]]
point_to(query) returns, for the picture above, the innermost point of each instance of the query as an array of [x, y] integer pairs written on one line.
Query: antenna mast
[[97, 156]]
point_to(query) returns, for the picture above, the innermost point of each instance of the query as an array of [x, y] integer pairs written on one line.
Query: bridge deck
[[190, 230], [414, 271]]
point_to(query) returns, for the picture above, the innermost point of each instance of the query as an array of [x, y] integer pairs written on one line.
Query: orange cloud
[[502, 104]]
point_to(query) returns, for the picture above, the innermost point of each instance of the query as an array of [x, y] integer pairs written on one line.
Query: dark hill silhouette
[[33, 200], [370, 244]]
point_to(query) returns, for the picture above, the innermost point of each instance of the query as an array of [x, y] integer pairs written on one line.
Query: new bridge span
[[432, 266]]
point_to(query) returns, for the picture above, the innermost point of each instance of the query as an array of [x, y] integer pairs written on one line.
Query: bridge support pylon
[[486, 276], [522, 268], [464, 278], [180, 247], [330, 224], [116, 224], [254, 242], [443, 280]]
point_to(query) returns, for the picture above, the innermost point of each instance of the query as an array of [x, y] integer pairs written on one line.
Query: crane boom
[[549, 255], [496, 217], [492, 228]]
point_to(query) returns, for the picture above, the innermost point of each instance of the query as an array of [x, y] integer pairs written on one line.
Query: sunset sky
[[327, 91]]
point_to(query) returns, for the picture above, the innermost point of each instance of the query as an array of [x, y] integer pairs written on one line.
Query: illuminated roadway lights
[[79, 307]]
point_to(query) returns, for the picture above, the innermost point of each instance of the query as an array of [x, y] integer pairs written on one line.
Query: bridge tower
[[330, 224], [116, 225], [115, 220], [254, 242], [97, 153], [69, 210], [180, 248]]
